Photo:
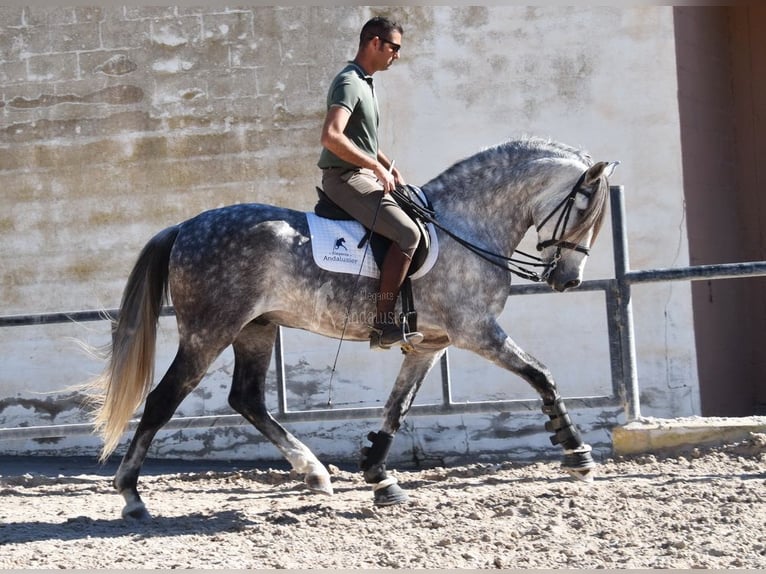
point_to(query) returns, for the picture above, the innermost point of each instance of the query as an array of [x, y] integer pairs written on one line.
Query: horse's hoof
[[389, 494], [582, 474], [579, 461], [136, 512], [319, 483]]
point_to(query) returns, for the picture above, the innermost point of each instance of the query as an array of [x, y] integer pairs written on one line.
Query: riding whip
[[353, 292]]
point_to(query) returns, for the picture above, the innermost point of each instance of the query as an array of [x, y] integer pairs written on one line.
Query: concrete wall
[[116, 122]]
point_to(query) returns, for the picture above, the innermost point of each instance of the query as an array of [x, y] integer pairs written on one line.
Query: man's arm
[[336, 141]]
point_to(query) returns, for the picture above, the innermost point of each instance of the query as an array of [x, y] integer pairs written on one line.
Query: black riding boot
[[386, 331]]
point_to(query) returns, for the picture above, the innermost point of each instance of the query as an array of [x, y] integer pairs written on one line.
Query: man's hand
[[385, 177]]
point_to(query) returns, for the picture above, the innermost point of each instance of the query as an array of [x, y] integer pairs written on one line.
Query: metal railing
[[622, 353]]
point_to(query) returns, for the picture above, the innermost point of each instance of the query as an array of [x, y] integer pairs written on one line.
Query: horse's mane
[[528, 146], [593, 218], [514, 160]]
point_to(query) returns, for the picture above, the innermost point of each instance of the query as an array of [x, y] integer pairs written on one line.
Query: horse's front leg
[[414, 369], [252, 354], [494, 344]]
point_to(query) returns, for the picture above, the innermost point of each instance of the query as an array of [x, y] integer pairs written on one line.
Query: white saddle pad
[[335, 245]]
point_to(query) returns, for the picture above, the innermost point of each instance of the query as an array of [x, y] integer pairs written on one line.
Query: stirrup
[[387, 335]]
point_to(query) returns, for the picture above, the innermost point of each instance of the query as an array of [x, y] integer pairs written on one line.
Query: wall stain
[[305, 381], [53, 440], [501, 426], [116, 95], [51, 129], [118, 65], [469, 17], [49, 407], [84, 268]]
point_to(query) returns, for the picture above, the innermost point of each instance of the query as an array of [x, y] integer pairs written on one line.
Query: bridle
[[565, 207], [519, 267]]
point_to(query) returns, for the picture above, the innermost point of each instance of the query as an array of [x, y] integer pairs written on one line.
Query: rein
[[518, 267]]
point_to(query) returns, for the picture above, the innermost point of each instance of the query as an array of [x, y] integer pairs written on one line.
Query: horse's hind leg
[[494, 344], [252, 355], [182, 377], [414, 369]]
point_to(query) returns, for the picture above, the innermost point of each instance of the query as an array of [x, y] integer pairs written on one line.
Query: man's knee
[[409, 239]]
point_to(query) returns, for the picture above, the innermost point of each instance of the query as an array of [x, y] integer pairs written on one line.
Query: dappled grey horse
[[236, 273]]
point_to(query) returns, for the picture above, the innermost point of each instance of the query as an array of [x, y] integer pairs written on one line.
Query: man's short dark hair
[[378, 26]]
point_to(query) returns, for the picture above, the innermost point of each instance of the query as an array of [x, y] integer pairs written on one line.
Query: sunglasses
[[395, 47]]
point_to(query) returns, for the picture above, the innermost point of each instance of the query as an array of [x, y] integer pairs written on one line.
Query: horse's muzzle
[[574, 283], [560, 285]]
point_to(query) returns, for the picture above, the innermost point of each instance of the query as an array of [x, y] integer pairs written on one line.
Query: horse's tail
[[128, 377]]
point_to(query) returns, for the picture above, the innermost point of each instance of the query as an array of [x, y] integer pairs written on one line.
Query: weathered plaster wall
[[116, 122]]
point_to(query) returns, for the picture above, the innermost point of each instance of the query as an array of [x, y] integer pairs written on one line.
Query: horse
[[235, 274]]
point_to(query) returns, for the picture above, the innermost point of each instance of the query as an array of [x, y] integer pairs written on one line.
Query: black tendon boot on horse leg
[[385, 489], [577, 458], [386, 332]]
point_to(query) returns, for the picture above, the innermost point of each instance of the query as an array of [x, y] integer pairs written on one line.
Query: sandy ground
[[704, 510]]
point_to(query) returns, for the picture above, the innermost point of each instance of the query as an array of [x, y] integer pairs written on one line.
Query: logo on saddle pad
[[335, 246], [340, 243]]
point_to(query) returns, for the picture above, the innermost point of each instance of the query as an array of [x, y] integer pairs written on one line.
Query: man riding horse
[[359, 177]]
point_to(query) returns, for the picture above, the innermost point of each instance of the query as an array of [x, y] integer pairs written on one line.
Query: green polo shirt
[[353, 90]]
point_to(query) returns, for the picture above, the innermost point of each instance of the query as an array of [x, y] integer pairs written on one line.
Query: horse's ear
[[609, 169], [599, 169]]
